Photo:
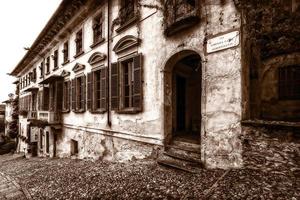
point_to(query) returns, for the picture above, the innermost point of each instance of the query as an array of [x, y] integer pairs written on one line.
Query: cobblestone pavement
[[10, 189]]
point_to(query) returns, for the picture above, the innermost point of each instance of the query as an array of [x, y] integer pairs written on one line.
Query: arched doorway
[[182, 97]]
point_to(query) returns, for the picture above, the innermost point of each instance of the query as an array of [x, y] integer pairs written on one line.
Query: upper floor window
[[97, 29], [79, 43], [66, 52], [289, 82], [42, 69], [48, 65], [34, 76], [55, 60]]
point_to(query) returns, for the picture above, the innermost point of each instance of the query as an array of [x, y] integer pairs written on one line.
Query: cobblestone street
[[10, 189], [46, 178]]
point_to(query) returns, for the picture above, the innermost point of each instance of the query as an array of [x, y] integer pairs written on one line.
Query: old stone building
[[126, 79]]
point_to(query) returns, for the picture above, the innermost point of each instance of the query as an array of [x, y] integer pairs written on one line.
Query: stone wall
[[269, 148]]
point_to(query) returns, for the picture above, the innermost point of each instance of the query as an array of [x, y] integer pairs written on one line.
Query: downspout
[[108, 66]]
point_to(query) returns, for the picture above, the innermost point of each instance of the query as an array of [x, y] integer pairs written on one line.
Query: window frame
[[98, 21]]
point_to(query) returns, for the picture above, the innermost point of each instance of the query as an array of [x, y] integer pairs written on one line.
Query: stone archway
[[182, 97]]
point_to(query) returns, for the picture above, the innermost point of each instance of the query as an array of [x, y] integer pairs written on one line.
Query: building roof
[[63, 14]]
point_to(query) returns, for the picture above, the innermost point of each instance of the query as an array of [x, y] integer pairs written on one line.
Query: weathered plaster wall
[[271, 106], [102, 145]]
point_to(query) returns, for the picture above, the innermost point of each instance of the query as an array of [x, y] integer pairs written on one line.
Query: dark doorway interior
[[187, 99]]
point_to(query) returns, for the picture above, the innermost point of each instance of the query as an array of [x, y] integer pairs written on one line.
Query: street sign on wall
[[224, 41]]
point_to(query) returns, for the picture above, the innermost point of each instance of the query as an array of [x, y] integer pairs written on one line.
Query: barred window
[[289, 82]]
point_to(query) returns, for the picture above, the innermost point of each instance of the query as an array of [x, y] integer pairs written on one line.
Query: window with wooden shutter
[[114, 86], [52, 94], [45, 99], [73, 88], [131, 84], [59, 95], [66, 96], [137, 83], [90, 91]]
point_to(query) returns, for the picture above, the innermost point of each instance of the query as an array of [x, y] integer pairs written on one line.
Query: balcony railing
[[180, 14], [49, 116], [32, 114]]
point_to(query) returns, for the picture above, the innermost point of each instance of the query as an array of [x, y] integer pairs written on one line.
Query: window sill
[[79, 111], [54, 69], [97, 43], [65, 111], [126, 25], [98, 111], [47, 73], [129, 111], [79, 54], [66, 62]]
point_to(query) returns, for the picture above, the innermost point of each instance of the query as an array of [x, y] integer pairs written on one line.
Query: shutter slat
[[114, 86], [46, 99], [89, 91], [137, 83], [73, 93]]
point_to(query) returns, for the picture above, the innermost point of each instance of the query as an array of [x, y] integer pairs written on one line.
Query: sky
[[21, 21]]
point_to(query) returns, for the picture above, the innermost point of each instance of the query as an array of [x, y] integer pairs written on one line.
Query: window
[[289, 82], [42, 69], [97, 29], [78, 94], [55, 60], [66, 96], [96, 86], [47, 142], [66, 52], [48, 65], [34, 75], [43, 97], [41, 139], [128, 74], [74, 147], [79, 44]]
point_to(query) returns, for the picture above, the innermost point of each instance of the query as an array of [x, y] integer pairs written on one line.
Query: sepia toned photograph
[[150, 99]]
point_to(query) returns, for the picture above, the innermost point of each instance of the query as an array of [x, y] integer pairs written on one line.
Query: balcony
[[127, 16], [32, 115], [181, 14], [50, 117]]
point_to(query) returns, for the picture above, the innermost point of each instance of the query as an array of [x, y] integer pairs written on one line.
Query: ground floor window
[[74, 147], [289, 82]]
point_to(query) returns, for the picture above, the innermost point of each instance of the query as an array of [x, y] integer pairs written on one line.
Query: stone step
[[186, 146], [183, 157], [171, 160], [182, 152]]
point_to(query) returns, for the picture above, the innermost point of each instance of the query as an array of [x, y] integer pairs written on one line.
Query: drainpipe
[[108, 66]]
